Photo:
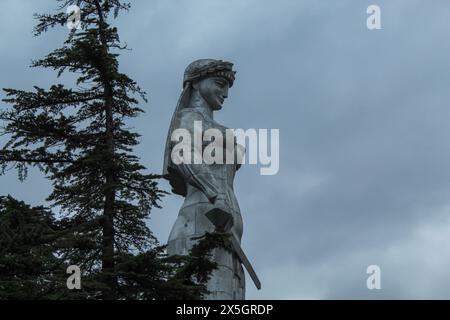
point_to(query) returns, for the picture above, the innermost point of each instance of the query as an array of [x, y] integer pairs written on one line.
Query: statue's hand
[[220, 201]]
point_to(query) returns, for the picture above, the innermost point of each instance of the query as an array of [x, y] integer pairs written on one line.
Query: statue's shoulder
[[187, 116], [190, 113]]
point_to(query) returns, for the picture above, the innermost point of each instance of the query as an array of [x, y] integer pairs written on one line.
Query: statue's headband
[[205, 68]]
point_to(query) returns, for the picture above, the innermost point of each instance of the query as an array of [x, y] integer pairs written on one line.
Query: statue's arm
[[197, 175]]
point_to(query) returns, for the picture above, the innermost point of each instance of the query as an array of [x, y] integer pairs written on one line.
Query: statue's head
[[212, 79]]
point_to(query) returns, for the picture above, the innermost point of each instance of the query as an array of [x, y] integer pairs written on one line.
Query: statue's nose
[[225, 92]]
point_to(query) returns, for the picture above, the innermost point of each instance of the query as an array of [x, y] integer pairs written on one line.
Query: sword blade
[[241, 255]]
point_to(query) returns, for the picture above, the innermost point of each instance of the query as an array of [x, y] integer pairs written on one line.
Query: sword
[[223, 221]]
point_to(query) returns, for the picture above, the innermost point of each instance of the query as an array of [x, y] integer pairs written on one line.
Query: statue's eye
[[220, 83]]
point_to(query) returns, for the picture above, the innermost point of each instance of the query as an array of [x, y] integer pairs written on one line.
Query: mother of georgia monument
[[210, 203]]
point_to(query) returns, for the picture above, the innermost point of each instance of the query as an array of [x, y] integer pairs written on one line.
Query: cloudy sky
[[363, 115]]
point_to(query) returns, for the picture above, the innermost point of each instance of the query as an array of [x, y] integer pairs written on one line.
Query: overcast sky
[[364, 130]]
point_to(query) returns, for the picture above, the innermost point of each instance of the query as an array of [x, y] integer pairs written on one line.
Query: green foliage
[[79, 138], [29, 269]]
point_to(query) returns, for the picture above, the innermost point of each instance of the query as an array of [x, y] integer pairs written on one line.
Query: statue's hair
[[205, 68]]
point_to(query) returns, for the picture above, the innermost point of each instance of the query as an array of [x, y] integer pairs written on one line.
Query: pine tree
[[80, 140], [29, 269]]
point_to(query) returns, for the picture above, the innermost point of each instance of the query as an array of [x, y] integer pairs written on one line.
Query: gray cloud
[[363, 118]]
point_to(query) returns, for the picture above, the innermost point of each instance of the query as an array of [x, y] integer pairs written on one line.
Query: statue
[[210, 203]]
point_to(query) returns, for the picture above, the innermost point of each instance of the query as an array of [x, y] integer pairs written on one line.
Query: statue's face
[[214, 90]]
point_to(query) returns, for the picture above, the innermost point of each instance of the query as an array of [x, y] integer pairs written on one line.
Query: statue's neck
[[200, 104]]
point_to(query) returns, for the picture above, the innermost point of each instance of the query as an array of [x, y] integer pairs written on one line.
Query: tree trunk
[[110, 192]]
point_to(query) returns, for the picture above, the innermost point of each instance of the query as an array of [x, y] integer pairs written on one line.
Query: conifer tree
[[79, 138], [29, 269]]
